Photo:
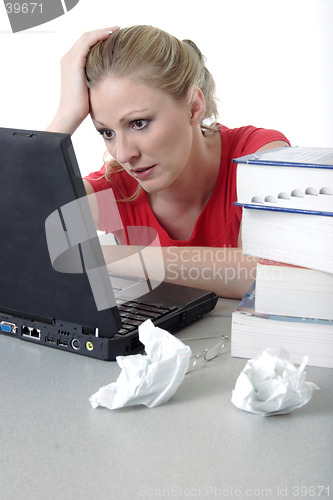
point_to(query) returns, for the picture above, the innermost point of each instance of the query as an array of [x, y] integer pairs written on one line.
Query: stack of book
[[287, 200]]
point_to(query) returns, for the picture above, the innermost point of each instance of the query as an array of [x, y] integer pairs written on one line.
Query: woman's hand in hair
[[74, 98]]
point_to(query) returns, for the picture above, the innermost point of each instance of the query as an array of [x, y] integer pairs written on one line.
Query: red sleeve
[[247, 140]]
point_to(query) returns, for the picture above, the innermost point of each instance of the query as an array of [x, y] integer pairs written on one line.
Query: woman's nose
[[125, 149]]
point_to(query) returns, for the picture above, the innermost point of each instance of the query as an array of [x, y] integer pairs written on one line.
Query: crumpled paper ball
[[150, 379], [271, 385]]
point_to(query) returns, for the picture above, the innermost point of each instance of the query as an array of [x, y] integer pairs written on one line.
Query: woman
[[148, 95]]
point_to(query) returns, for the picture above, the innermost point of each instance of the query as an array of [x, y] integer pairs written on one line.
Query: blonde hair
[[159, 60]]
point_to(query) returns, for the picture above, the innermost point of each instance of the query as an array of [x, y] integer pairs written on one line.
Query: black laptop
[[75, 308]]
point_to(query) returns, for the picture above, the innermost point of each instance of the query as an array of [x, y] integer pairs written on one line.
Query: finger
[[80, 49], [90, 38]]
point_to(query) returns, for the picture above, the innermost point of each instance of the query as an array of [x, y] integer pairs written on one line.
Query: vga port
[[7, 327]]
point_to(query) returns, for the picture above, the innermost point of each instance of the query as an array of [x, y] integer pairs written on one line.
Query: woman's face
[[146, 130]]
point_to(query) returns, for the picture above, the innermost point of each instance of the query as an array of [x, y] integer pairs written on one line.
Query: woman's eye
[[106, 134], [139, 124]]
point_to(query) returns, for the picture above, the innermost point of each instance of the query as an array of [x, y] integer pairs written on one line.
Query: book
[[289, 177], [251, 332], [299, 237], [283, 289]]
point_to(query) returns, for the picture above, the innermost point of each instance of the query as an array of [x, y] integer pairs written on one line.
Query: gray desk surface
[[53, 445]]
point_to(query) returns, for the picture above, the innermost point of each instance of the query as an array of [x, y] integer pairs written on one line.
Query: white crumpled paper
[[271, 385], [149, 379]]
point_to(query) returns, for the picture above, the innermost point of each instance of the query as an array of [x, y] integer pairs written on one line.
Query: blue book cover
[[305, 157], [256, 206]]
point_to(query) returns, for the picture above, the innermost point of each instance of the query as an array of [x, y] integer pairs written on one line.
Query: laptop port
[[25, 331], [28, 331], [76, 344], [89, 346], [35, 333], [7, 327], [50, 340], [62, 343]]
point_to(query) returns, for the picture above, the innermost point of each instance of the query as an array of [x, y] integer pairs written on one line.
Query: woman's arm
[[74, 97], [225, 271], [273, 145]]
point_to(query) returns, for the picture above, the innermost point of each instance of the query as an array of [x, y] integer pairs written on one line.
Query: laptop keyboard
[[134, 313]]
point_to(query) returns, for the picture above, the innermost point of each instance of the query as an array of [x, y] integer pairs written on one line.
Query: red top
[[219, 222]]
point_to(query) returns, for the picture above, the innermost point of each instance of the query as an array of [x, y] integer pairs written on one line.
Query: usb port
[[63, 343], [50, 340]]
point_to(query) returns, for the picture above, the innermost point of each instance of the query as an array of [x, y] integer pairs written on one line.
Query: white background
[[272, 61]]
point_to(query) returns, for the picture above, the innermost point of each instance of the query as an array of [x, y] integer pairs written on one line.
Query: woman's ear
[[197, 105]]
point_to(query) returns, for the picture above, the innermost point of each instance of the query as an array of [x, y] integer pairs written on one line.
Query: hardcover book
[[252, 332], [291, 177], [299, 237], [289, 290]]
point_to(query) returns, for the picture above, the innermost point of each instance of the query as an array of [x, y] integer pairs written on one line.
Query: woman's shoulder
[[247, 139]]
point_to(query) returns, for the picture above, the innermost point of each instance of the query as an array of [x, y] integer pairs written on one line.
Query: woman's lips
[[143, 173]]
